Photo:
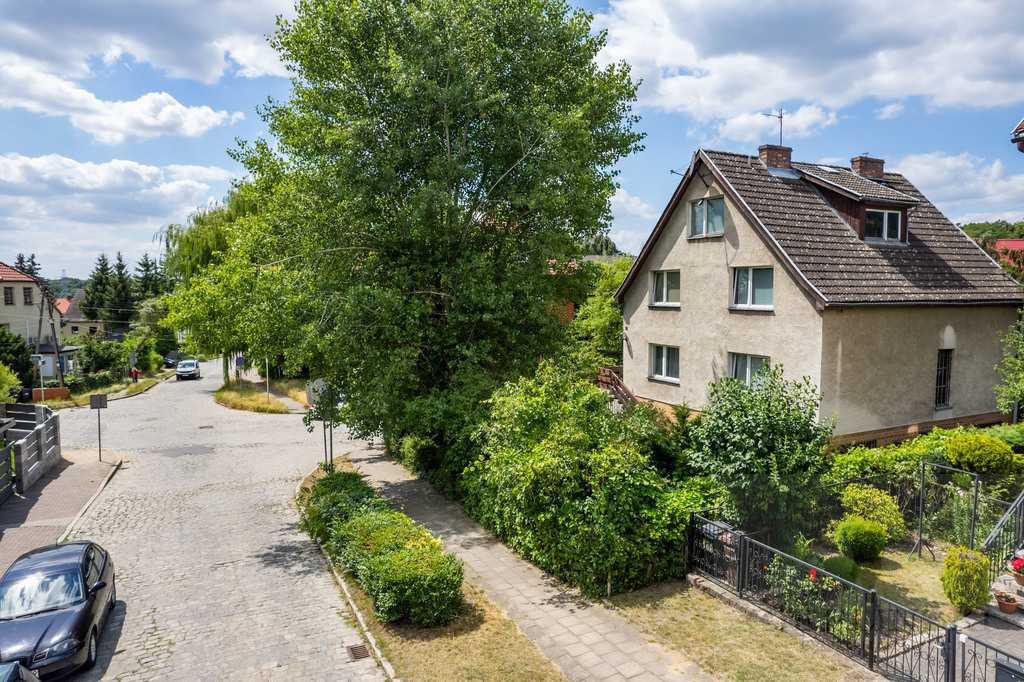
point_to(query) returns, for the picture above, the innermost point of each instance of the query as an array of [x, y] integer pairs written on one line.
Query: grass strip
[[251, 398], [293, 388]]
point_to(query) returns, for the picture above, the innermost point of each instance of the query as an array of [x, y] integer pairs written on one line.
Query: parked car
[[170, 363], [54, 602], [187, 369]]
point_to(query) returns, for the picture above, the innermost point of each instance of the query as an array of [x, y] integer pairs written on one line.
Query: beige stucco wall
[[703, 326], [19, 317], [879, 363]]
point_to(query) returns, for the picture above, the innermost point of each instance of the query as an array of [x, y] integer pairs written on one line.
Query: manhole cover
[[357, 652]]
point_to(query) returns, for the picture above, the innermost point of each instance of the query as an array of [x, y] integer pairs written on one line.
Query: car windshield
[[37, 592], [186, 364]]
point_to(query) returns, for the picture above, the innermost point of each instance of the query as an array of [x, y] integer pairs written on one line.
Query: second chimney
[[866, 167], [775, 156]]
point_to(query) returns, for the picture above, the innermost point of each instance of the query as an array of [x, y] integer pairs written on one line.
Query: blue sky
[[117, 116]]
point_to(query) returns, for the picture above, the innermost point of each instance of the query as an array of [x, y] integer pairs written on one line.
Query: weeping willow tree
[[192, 253]]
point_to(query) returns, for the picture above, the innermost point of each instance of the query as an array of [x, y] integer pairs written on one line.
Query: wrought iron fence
[[978, 661], [714, 548], [1005, 539], [909, 646]]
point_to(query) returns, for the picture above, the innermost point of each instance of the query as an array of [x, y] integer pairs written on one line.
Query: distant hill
[[67, 286], [999, 229]]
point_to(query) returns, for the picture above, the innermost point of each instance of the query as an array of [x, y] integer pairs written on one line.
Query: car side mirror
[[100, 584]]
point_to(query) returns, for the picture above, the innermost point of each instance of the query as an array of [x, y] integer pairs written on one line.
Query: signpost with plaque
[[98, 401]]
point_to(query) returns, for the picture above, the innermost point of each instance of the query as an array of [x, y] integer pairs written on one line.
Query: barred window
[[943, 375]]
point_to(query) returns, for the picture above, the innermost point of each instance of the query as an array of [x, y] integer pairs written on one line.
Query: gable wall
[[879, 364], [703, 327]]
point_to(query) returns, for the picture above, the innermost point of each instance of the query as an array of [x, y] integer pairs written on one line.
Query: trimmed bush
[[965, 579], [845, 567], [980, 454], [876, 505], [335, 499], [860, 539], [419, 582], [1012, 435]]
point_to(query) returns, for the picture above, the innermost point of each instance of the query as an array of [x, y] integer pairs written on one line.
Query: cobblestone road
[[214, 580]]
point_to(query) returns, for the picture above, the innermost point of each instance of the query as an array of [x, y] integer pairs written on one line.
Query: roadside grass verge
[[82, 399], [912, 582], [293, 388], [141, 386], [726, 642], [251, 398], [481, 643]]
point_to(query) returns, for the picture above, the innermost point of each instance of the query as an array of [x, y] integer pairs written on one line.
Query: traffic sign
[[36, 358], [133, 357], [239, 361]]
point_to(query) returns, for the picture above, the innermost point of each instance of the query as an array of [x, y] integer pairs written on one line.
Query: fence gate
[[6, 474]]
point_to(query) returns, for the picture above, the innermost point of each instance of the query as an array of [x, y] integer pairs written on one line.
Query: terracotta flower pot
[[1019, 577], [1007, 606]]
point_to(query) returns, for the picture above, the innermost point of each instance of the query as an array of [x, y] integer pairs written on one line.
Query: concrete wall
[[703, 326], [878, 365]]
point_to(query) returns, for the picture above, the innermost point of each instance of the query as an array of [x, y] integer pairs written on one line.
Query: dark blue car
[[53, 603]]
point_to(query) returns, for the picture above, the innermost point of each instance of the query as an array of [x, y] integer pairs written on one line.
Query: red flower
[[1017, 565], [813, 574]]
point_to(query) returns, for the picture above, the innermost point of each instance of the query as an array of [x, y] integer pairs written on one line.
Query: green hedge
[[83, 383], [399, 564], [965, 579], [980, 454]]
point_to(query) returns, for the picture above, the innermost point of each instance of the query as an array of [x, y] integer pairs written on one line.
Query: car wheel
[[177, 378], [90, 660]]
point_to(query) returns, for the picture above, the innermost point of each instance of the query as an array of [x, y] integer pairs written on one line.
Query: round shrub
[[876, 505], [860, 539], [965, 579], [844, 567], [421, 583], [979, 454]]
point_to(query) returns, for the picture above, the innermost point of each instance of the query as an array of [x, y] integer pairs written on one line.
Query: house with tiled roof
[[1018, 136], [846, 275], [24, 311], [75, 322]]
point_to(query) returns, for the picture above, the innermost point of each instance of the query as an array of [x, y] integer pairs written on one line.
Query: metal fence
[[883, 635], [1005, 538], [6, 474]]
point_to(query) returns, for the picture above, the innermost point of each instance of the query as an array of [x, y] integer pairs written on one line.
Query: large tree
[[27, 265], [120, 298], [94, 306], [438, 163], [149, 278]]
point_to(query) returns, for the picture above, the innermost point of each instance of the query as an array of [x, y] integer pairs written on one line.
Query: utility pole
[[56, 338]]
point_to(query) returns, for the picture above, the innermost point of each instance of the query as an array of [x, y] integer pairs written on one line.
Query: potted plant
[[1007, 602], [1017, 568]]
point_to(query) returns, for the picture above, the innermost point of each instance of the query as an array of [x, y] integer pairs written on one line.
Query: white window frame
[[703, 232], [661, 373], [748, 304], [741, 361], [885, 225], [659, 294]]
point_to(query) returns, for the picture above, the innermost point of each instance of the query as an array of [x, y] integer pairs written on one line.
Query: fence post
[[873, 628], [950, 653], [741, 560], [688, 562]]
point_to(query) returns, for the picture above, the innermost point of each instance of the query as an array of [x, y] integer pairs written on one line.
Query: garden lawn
[[253, 398], [726, 642], [911, 582]]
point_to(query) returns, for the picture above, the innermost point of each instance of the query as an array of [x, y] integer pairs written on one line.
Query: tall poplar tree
[[436, 167]]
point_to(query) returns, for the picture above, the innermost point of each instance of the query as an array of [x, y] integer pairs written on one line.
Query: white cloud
[[964, 185], [624, 206], [68, 211], [893, 110], [152, 115], [723, 63]]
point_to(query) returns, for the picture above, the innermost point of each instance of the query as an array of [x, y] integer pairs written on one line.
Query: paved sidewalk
[[586, 640], [41, 516]]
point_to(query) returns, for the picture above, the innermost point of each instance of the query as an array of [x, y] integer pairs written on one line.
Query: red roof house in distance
[[1018, 136]]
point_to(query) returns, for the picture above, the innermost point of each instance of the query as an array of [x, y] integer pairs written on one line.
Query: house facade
[[75, 322], [845, 275], [25, 311]]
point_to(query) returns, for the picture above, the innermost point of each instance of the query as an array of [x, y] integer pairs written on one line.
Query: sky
[[117, 116]]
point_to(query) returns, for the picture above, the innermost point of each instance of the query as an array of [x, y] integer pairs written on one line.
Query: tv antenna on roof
[[778, 116]]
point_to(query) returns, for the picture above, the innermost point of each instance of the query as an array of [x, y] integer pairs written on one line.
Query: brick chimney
[[774, 156], [866, 167]]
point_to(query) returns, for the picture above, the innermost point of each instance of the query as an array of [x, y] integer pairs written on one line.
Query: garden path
[[583, 638]]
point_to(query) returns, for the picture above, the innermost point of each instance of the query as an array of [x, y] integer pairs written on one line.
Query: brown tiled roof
[[844, 179], [1018, 132], [74, 314], [9, 274], [62, 304], [940, 264]]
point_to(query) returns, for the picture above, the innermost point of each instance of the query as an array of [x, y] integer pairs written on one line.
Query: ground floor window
[[943, 374], [664, 362], [745, 367]]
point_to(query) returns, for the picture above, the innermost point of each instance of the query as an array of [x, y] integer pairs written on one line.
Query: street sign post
[[133, 358], [98, 401]]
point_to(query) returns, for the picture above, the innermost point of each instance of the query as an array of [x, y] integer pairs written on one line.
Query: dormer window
[[882, 225], [707, 217]]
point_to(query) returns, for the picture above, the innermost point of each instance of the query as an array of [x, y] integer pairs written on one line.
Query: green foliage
[[15, 354], [1010, 388], [601, 245], [417, 270], [1011, 434], [83, 383], [876, 505], [698, 493], [94, 306], [150, 280], [764, 443], [980, 454], [860, 539], [845, 567], [401, 566], [813, 599], [98, 355], [8, 380], [560, 480], [598, 322], [965, 579], [27, 265]]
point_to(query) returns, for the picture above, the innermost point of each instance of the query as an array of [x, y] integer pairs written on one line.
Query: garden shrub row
[[82, 383], [400, 564]]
